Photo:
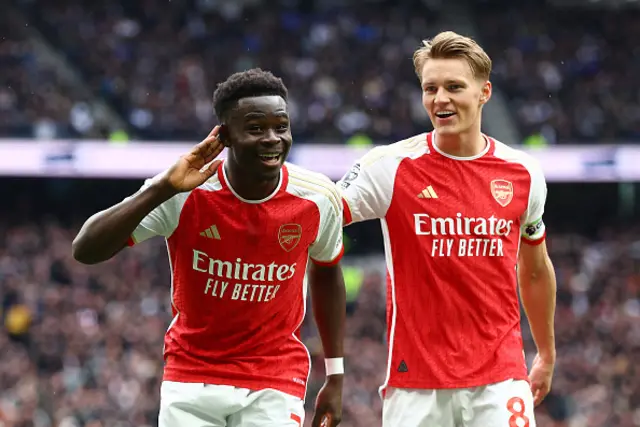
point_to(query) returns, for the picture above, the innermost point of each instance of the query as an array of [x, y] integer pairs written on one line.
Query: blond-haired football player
[[459, 212]]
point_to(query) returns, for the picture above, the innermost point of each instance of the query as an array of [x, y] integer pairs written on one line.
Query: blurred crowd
[[158, 62], [82, 346], [569, 75], [34, 102]]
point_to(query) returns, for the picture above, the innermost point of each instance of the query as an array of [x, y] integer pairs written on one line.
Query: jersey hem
[[131, 241], [249, 384], [331, 263], [426, 385]]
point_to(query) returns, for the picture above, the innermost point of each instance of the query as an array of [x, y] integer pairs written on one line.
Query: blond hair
[[450, 45]]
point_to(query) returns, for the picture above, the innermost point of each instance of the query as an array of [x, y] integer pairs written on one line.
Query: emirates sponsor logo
[[464, 236], [426, 225], [242, 281]]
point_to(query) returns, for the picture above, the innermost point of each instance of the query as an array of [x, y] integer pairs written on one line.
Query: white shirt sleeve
[[533, 229], [162, 221], [328, 247], [368, 187]]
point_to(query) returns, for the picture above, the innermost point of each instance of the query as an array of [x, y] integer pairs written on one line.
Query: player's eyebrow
[[257, 115], [448, 81]]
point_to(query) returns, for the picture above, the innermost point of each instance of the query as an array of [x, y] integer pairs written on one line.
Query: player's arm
[[367, 188], [328, 296], [537, 283], [108, 232], [325, 277], [535, 271], [538, 293]]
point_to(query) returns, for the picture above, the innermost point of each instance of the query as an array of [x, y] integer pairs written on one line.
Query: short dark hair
[[246, 84]]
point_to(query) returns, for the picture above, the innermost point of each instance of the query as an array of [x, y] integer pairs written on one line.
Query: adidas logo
[[211, 233], [428, 193]]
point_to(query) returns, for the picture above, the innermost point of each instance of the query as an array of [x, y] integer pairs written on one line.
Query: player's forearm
[[538, 294], [106, 233], [329, 307]]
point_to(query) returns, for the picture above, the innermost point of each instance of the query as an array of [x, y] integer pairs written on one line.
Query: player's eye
[[254, 128], [454, 88], [430, 89], [283, 127]]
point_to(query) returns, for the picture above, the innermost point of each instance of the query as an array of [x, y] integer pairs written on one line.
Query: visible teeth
[[444, 113], [269, 156]]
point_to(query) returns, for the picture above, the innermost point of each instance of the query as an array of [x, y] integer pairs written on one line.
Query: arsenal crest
[[289, 236], [502, 191]]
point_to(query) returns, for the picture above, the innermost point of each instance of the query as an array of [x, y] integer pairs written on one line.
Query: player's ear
[[224, 135], [486, 92]]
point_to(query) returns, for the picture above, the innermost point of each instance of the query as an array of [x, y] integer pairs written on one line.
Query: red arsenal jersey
[[238, 267], [452, 229]]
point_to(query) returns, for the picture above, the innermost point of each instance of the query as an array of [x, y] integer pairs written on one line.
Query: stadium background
[[97, 95]]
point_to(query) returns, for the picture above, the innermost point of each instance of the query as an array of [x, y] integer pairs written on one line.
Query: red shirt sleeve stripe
[[535, 242], [347, 212]]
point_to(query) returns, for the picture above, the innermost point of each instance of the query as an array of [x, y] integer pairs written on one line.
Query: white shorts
[[505, 404], [205, 405]]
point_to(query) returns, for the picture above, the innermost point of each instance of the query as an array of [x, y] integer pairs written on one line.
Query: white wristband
[[334, 366]]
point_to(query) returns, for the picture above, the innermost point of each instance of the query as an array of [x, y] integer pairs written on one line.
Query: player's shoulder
[[312, 185], [514, 155], [411, 147], [213, 183], [299, 174]]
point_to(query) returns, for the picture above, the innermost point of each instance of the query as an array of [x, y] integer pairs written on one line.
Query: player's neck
[[466, 144], [246, 186]]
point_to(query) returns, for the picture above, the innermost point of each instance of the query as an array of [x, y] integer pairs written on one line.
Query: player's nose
[[270, 137], [441, 97]]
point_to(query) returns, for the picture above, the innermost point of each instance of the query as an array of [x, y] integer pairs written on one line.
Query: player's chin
[[269, 172], [270, 169], [449, 129]]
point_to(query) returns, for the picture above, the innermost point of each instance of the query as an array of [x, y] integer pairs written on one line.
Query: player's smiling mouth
[[270, 159], [445, 114]]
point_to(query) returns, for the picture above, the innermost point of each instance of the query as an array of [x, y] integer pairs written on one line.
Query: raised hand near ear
[[197, 166]]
